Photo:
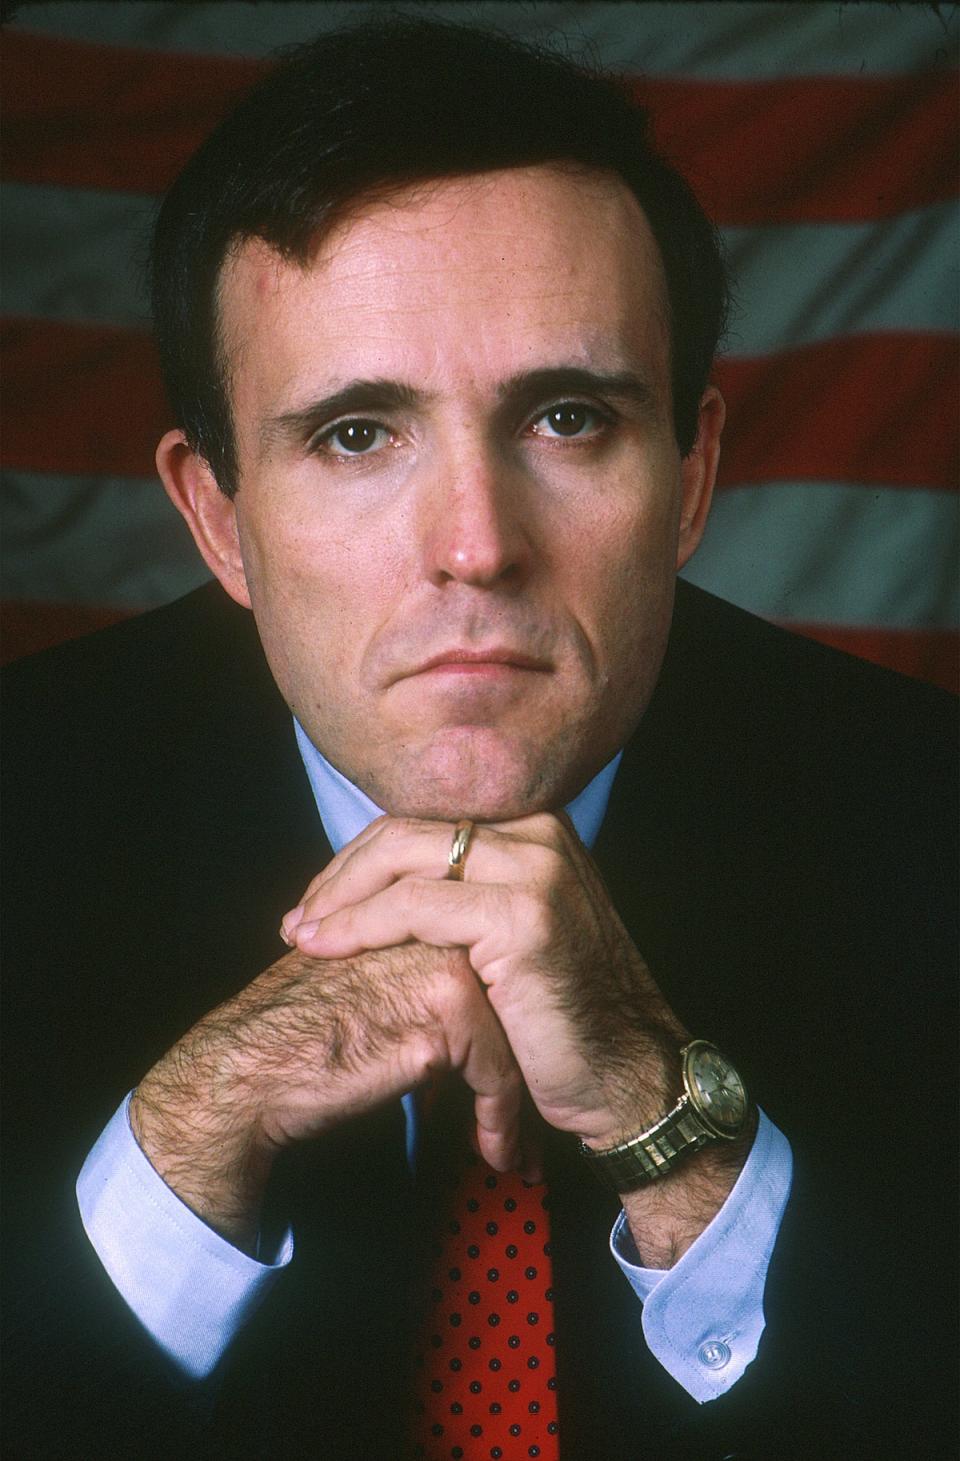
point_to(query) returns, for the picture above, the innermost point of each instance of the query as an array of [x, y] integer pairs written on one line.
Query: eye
[[570, 419], [352, 438]]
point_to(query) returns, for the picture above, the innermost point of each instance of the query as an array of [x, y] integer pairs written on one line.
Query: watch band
[[653, 1153]]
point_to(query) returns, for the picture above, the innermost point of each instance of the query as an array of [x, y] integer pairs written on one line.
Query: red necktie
[[486, 1377]]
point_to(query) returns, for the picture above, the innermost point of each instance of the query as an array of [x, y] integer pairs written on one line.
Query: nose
[[474, 527]]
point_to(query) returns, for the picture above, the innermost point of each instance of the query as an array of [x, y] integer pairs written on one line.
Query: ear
[[698, 473], [210, 516]]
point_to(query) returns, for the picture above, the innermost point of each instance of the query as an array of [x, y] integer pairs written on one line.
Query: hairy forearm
[[203, 1144], [307, 1045]]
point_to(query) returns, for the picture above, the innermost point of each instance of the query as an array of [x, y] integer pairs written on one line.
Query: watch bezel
[[716, 1128]]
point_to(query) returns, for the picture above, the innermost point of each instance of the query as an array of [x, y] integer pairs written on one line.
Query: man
[[437, 326]]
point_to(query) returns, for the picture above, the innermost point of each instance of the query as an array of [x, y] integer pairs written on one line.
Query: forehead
[[456, 280]]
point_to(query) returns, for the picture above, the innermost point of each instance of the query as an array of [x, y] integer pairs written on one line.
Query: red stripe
[[27, 628], [80, 399], [879, 409], [875, 409], [796, 149], [110, 117], [811, 149], [925, 654]]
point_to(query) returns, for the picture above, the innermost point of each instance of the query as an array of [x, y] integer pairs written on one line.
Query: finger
[[295, 914], [392, 848], [443, 914], [421, 850], [556, 831], [352, 873], [499, 1139], [487, 1064], [546, 829], [339, 858], [396, 849]]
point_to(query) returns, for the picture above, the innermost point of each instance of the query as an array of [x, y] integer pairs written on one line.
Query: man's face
[[461, 504]]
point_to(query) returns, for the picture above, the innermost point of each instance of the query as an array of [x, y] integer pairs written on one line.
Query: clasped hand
[[521, 978], [587, 1029]]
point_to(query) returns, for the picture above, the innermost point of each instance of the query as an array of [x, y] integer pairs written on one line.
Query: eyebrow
[[533, 386], [522, 391], [355, 397]]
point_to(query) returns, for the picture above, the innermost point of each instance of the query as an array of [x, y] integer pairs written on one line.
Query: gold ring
[[458, 850]]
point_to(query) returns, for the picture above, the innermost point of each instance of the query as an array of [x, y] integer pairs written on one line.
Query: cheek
[[320, 594], [291, 558], [629, 586], [631, 544]]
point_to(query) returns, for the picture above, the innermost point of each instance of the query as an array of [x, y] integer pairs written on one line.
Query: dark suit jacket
[[780, 844]]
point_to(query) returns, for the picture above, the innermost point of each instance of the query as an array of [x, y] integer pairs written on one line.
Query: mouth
[[480, 661]]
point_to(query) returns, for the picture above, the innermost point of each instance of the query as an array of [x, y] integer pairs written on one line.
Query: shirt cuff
[[703, 1318], [190, 1288]]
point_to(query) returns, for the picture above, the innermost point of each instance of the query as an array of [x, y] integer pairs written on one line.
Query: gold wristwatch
[[714, 1107]]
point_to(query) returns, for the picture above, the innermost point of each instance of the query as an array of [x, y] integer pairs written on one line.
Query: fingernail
[[286, 937], [307, 930]]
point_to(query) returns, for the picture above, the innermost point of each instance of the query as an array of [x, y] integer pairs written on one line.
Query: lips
[[477, 658], [492, 662]]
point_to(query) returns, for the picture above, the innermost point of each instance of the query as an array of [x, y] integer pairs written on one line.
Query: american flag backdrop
[[821, 137]]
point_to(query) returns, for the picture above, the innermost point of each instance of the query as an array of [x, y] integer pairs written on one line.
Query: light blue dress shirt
[[193, 1291]]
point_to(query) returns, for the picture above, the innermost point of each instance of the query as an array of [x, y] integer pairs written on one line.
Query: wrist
[[206, 1152], [666, 1217], [712, 1108], [652, 1091]]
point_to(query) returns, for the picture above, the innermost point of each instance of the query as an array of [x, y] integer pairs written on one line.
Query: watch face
[[715, 1088]]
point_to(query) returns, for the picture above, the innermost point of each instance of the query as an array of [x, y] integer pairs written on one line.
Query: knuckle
[[550, 865], [415, 894], [428, 1049], [549, 830]]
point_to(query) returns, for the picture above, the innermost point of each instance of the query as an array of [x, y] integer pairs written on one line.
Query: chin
[[470, 772]]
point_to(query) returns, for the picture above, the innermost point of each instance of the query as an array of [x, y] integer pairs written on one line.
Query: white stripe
[[736, 41], [831, 553], [74, 254], [110, 542], [798, 284]]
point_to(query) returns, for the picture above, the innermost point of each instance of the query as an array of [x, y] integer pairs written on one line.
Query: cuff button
[[714, 1354]]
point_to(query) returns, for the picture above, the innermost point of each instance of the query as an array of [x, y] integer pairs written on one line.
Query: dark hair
[[357, 113]]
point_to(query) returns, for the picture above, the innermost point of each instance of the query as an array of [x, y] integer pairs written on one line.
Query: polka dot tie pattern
[[486, 1375]]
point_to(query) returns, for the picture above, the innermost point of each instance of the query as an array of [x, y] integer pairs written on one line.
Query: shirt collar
[[345, 810]]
